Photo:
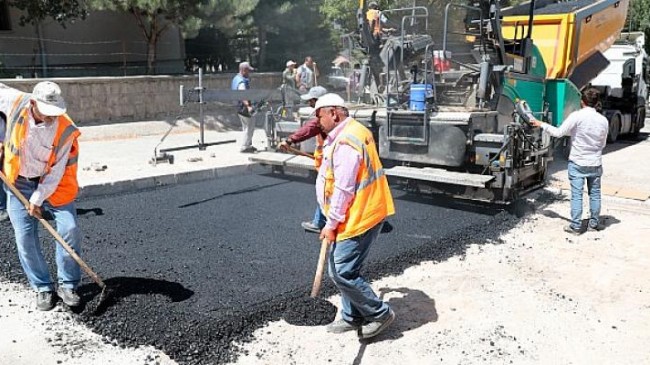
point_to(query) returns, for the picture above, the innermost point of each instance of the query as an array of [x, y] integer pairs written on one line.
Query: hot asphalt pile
[[194, 268]]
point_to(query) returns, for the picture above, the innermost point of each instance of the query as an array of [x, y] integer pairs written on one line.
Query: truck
[[451, 117], [624, 85]]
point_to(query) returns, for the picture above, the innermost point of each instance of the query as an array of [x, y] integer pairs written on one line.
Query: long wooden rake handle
[[298, 152], [318, 278], [55, 234]]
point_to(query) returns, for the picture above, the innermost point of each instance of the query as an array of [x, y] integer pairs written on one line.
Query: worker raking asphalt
[[195, 268]]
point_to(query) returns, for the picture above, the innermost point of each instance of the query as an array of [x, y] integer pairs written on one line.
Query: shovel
[[318, 278], [59, 239], [298, 152]]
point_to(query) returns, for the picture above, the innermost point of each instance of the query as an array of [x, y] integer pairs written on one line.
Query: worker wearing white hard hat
[[353, 193], [41, 152]]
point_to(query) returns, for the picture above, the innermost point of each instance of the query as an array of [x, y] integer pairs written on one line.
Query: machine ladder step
[[440, 176]]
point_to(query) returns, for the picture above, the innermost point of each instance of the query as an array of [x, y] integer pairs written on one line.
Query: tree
[[63, 11], [639, 19], [154, 17]]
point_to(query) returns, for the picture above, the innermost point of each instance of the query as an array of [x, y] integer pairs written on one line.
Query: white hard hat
[[314, 93], [49, 100], [329, 100]]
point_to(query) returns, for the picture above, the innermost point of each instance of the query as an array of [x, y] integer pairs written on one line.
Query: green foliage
[[639, 19], [154, 17], [62, 11]]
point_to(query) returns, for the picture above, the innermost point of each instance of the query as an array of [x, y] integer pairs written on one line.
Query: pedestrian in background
[[289, 83], [41, 152], [308, 130], [307, 75], [353, 193], [289, 74], [3, 194], [241, 81], [588, 130]]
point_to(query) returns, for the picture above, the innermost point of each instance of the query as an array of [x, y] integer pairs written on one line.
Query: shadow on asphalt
[[477, 207], [122, 287], [95, 211], [236, 192], [605, 220]]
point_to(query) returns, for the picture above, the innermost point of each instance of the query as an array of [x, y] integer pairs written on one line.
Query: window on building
[[5, 22]]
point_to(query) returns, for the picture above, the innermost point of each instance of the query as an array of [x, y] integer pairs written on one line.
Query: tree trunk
[[261, 37], [151, 54]]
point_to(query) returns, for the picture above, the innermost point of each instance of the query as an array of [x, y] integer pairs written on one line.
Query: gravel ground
[[536, 296], [194, 268]]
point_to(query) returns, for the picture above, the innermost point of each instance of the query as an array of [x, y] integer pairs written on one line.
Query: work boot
[[372, 329], [572, 230], [68, 296], [44, 300], [4, 216], [341, 326], [310, 227], [249, 149], [598, 227]]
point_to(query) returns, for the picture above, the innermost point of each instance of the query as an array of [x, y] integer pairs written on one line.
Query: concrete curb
[[126, 186]]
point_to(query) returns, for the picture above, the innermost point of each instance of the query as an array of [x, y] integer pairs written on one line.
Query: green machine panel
[[563, 98]]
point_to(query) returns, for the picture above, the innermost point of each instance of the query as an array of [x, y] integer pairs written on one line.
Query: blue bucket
[[419, 95]]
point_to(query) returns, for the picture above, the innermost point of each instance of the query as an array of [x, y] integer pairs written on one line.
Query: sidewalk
[[127, 150]]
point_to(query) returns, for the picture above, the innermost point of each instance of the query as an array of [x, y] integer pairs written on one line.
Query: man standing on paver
[[241, 81], [588, 130], [308, 130], [353, 193], [41, 153]]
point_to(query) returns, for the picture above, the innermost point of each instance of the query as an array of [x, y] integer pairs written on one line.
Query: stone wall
[[107, 100]]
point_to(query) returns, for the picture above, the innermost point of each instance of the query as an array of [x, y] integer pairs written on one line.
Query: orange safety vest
[[318, 151], [373, 201], [68, 187], [374, 20]]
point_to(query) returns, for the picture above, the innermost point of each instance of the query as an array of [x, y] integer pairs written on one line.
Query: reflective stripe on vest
[[373, 201], [318, 151], [15, 118]]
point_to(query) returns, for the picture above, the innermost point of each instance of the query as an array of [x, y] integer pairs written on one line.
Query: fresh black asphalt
[[194, 268]]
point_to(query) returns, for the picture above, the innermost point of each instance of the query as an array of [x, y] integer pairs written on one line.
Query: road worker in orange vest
[[40, 160], [310, 129], [353, 193]]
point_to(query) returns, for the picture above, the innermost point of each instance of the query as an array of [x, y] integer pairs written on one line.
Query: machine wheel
[[614, 128], [640, 119]]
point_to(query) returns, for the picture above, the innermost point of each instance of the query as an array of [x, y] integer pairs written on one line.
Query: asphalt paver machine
[[452, 116]]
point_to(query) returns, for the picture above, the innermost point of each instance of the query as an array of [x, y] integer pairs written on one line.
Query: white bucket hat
[[49, 101]]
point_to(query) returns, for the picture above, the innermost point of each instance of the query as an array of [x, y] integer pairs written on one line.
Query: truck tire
[[638, 124], [614, 128]]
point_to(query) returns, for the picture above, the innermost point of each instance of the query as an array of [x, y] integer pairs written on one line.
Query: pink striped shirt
[[346, 161]]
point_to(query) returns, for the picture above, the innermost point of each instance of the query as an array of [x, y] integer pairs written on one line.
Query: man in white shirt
[[588, 130], [40, 160]]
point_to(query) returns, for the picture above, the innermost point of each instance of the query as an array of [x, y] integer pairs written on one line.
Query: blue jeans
[[3, 196], [319, 218], [358, 301], [29, 247], [577, 176]]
